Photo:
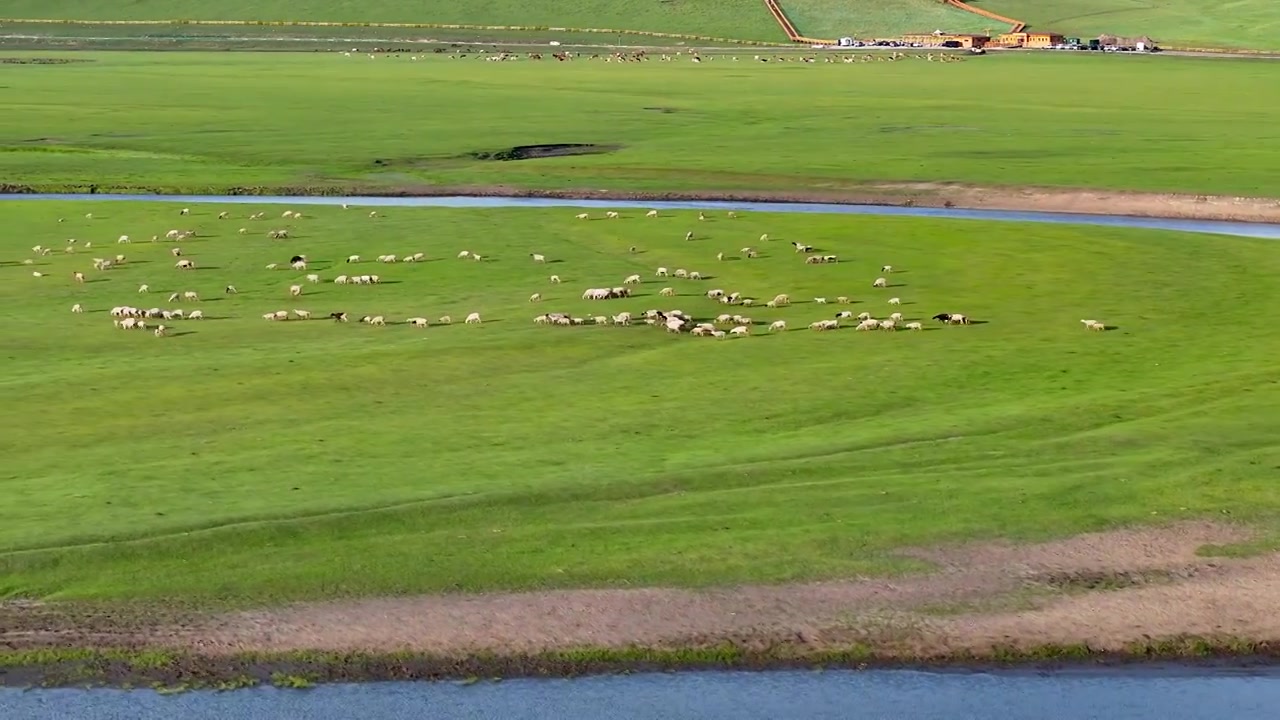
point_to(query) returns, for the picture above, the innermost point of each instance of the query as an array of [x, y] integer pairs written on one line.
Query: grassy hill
[[744, 19], [1237, 24], [264, 461], [881, 18]]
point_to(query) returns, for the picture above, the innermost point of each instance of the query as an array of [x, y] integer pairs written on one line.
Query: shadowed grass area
[[198, 121], [251, 461]]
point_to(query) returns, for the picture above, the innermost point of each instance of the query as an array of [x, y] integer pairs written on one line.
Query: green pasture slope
[[829, 19], [250, 461], [739, 19], [1250, 24], [199, 121]]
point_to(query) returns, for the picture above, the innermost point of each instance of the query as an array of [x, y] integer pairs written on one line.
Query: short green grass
[[247, 461], [201, 121], [830, 19], [1251, 24], [743, 19]]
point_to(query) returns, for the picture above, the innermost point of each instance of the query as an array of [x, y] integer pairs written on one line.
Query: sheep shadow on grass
[[180, 333]]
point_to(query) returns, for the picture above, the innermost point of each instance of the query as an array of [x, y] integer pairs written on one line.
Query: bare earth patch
[[1154, 585]]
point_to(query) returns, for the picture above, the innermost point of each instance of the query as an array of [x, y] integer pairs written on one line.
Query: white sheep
[[717, 334], [224, 215], [477, 258], [122, 240], [286, 214], [681, 273], [538, 258], [695, 275], [842, 300], [420, 322], [37, 273], [184, 211], [373, 213], [777, 325], [295, 290], [820, 300], [958, 319], [473, 319], [661, 272], [231, 290], [864, 316], [77, 308], [582, 216], [269, 316], [445, 320], [340, 280], [184, 264], [555, 279], [191, 295], [887, 269], [895, 301], [740, 330], [195, 315], [374, 279], [353, 258], [612, 215], [160, 331], [896, 317], [880, 282], [536, 297], [243, 231], [667, 292], [78, 276], [720, 256], [631, 280], [868, 324], [651, 213], [281, 314], [782, 300], [299, 265], [914, 326], [888, 325], [1094, 325], [313, 278], [302, 314]]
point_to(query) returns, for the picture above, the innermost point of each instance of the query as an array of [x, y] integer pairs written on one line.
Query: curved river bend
[[1123, 694], [1222, 227]]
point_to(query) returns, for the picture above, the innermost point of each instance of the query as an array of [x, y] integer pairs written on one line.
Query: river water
[[1122, 694], [1242, 229]]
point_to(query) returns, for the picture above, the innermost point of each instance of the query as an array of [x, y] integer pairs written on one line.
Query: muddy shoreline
[[159, 669], [1180, 206]]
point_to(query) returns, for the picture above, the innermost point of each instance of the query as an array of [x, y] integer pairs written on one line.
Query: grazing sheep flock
[[684, 283]]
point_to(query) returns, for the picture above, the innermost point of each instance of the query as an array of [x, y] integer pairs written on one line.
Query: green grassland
[[743, 19], [54, 36], [1239, 24], [251, 461], [829, 19], [201, 121]]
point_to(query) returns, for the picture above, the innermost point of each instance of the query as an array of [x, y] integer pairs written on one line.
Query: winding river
[[1168, 693], [1221, 227]]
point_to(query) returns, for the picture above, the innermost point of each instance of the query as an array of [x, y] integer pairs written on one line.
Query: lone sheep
[[473, 319]]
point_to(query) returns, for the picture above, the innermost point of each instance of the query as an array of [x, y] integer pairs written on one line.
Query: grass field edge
[[169, 671]]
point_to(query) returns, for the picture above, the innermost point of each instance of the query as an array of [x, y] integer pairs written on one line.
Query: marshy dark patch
[[536, 152], [41, 61], [663, 110], [1094, 580]]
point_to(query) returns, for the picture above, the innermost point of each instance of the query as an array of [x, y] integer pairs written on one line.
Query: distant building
[[1043, 40], [951, 40]]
